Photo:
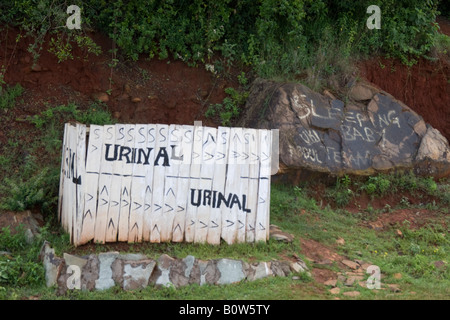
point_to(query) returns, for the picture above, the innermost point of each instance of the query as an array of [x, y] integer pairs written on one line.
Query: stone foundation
[[136, 271]]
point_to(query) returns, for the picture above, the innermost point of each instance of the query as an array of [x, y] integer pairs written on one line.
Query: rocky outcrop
[[371, 132]]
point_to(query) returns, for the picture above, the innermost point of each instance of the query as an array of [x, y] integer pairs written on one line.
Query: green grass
[[413, 256], [9, 95], [30, 175]]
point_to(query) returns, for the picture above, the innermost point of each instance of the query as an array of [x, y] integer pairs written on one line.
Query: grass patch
[[9, 95]]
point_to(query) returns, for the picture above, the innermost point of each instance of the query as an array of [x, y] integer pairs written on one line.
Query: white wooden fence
[[165, 183]]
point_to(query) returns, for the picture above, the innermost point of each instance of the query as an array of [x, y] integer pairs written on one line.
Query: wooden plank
[[269, 175], [128, 160], [161, 159], [243, 194], [251, 135], [94, 155], [138, 185], [71, 188], [79, 181], [182, 180], [205, 184], [62, 173], [104, 184], [65, 173], [170, 185], [148, 193], [116, 186], [65, 190], [194, 183], [218, 184], [263, 211], [230, 213]]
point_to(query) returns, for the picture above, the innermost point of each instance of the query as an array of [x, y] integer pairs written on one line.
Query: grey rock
[[52, 264], [29, 236], [259, 270], [132, 256], [161, 276], [105, 279], [136, 274], [280, 268], [189, 262], [298, 267], [371, 133], [178, 272], [208, 273], [90, 273], [434, 146], [231, 271], [74, 260]]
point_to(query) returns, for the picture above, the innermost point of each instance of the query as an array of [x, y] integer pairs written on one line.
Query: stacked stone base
[[137, 271]]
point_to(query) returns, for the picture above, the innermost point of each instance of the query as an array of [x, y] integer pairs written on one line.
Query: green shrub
[[278, 38], [379, 185], [9, 95], [22, 194], [230, 108]]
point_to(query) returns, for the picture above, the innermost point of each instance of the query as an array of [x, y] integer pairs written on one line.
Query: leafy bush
[[230, 108], [377, 185], [276, 37], [9, 95], [20, 265], [21, 195]]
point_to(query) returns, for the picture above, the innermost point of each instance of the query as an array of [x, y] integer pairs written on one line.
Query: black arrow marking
[[204, 224], [235, 154], [127, 203], [177, 227], [266, 157], [90, 197], [93, 147], [147, 206], [171, 209], [250, 227], [207, 139], [257, 157], [170, 189], [157, 205], [104, 202], [236, 135], [125, 191], [181, 209], [111, 222], [230, 223], [215, 225], [195, 155], [242, 224], [89, 211], [262, 200], [148, 189], [135, 225], [192, 222], [115, 203], [210, 156], [104, 189], [222, 155], [246, 155], [155, 227], [261, 226], [137, 205]]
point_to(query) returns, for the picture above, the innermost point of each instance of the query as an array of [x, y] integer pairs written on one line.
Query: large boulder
[[371, 132]]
